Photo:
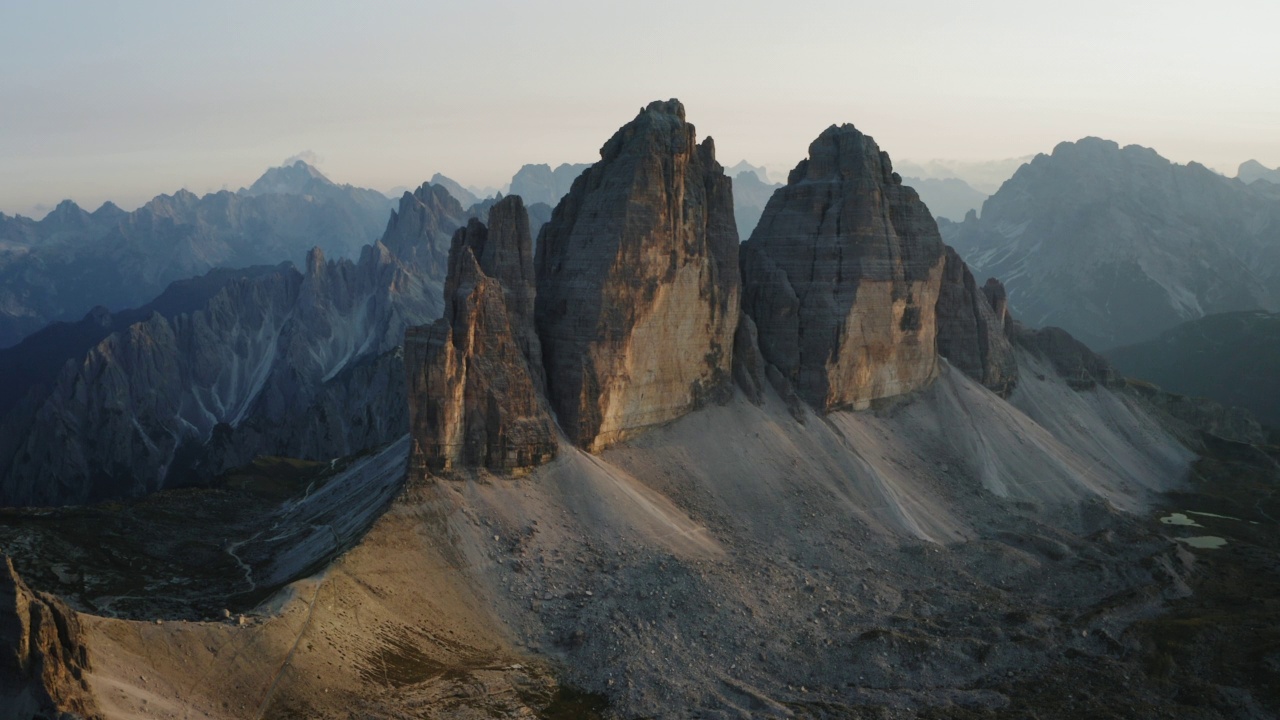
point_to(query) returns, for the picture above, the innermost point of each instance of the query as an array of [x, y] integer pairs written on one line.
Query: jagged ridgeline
[[226, 368], [844, 294]]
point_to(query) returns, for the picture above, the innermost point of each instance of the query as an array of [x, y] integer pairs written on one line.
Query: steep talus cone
[[474, 374], [638, 286], [842, 276], [43, 660], [971, 327]]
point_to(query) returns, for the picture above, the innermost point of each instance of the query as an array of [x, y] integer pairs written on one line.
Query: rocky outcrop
[[748, 365], [971, 327], [638, 286], [43, 659], [842, 277], [1081, 367], [419, 229], [475, 374]]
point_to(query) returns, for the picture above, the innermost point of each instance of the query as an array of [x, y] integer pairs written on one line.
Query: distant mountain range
[[950, 198], [985, 176], [750, 195], [1230, 358], [59, 267], [224, 368], [541, 184], [761, 173], [1251, 171], [1118, 244]]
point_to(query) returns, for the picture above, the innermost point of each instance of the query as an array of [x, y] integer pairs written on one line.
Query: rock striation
[[972, 332], [43, 659], [475, 375], [302, 364], [638, 287], [842, 277], [1117, 244], [1082, 368]]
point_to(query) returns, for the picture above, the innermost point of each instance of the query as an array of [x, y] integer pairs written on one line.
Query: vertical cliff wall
[[842, 276], [475, 374], [638, 286]]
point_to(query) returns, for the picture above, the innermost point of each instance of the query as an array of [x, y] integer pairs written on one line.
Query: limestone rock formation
[[748, 364], [43, 659], [419, 228], [842, 276], [971, 327], [475, 374], [1081, 367], [638, 284]]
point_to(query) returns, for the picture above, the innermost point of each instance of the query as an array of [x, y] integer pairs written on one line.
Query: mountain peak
[[65, 209], [667, 107], [296, 179], [1251, 170], [464, 196]]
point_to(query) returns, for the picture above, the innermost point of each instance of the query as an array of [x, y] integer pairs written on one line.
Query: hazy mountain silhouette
[[59, 267], [1118, 244]]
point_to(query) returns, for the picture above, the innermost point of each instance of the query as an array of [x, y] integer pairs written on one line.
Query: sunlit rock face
[[842, 276], [475, 374], [44, 663], [638, 285]]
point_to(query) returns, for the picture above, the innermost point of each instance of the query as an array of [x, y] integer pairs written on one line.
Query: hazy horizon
[[126, 102]]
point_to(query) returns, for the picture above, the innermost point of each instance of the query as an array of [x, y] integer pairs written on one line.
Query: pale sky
[[126, 100]]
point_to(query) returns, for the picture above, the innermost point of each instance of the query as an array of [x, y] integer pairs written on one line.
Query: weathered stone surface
[[1082, 368], [638, 285], [994, 290], [748, 363], [842, 276], [419, 230], [971, 327], [43, 660], [474, 375], [506, 255]]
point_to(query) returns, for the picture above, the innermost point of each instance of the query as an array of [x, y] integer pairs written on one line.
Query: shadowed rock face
[[1081, 367], [281, 363], [43, 659], [842, 276], [971, 327], [475, 374], [638, 285]]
